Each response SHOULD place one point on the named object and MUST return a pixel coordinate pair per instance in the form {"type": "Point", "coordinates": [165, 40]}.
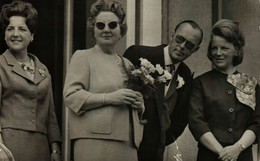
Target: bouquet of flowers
{"type": "Point", "coordinates": [143, 79]}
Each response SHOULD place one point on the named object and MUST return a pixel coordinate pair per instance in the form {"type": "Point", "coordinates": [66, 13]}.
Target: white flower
{"type": "Point", "coordinates": [159, 69]}
{"type": "Point", "coordinates": [148, 66]}
{"type": "Point", "coordinates": [165, 77]}
{"type": "Point", "coordinates": [149, 79]}
{"type": "Point", "coordinates": [151, 69]}
{"type": "Point", "coordinates": [180, 81]}
{"type": "Point", "coordinates": [136, 71]}
{"type": "Point", "coordinates": [145, 62]}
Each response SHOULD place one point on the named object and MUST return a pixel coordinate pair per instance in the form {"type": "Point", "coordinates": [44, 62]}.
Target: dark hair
{"type": "Point", "coordinates": [19, 8]}
{"type": "Point", "coordinates": [229, 30]}
{"type": "Point", "coordinates": [194, 25]}
{"type": "Point", "coordinates": [107, 5]}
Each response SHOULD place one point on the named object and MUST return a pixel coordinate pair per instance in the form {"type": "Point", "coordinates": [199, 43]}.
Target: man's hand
{"type": "Point", "coordinates": [138, 104]}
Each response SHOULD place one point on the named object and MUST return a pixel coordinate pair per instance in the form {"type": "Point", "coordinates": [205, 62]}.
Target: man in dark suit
{"type": "Point", "coordinates": [167, 111]}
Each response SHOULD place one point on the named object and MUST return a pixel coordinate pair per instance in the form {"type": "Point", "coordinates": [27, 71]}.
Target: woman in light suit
{"type": "Point", "coordinates": [103, 114]}
{"type": "Point", "coordinates": [28, 125]}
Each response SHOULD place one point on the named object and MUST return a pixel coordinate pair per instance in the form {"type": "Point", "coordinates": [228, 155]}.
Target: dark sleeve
{"type": "Point", "coordinates": [254, 122]}
{"type": "Point", "coordinates": [179, 117]}
{"type": "Point", "coordinates": [132, 54]}
{"type": "Point", "coordinates": [197, 123]}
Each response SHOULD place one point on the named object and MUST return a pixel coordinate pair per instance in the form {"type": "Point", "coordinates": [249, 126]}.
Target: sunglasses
{"type": "Point", "coordinates": [112, 25]}
{"type": "Point", "coordinates": [188, 45]}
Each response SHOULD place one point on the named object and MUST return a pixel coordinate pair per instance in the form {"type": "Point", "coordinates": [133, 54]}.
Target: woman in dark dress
{"type": "Point", "coordinates": [28, 124]}
{"type": "Point", "coordinates": [224, 104]}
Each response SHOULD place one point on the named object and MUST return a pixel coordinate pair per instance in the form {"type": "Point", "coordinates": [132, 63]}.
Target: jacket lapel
{"type": "Point", "coordinates": [172, 88]}
{"type": "Point", "coordinates": [40, 70]}
{"type": "Point", "coordinates": [16, 67]}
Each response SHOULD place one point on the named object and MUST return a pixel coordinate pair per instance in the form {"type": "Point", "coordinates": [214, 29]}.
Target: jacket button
{"type": "Point", "coordinates": [229, 92]}
{"type": "Point", "coordinates": [33, 121]}
{"type": "Point", "coordinates": [230, 130]}
{"type": "Point", "coordinates": [231, 110]}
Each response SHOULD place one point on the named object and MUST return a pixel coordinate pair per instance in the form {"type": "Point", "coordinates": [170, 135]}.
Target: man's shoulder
{"type": "Point", "coordinates": [184, 68]}
{"type": "Point", "coordinates": [152, 53]}
{"type": "Point", "coordinates": [143, 47]}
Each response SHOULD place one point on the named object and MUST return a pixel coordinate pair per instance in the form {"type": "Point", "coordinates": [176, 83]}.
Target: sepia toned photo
{"type": "Point", "coordinates": [129, 80]}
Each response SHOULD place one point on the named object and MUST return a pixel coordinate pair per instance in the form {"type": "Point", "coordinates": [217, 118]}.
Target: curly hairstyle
{"type": "Point", "coordinates": [229, 30]}
{"type": "Point", "coordinates": [19, 8]}
{"type": "Point", "coordinates": [107, 5]}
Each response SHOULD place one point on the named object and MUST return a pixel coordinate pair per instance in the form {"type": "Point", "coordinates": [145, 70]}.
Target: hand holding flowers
{"type": "Point", "coordinates": [125, 96]}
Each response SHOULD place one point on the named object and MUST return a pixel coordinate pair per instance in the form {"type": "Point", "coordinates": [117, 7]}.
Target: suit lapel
{"type": "Point", "coordinates": [172, 88]}
{"type": "Point", "coordinates": [40, 70]}
{"type": "Point", "coordinates": [16, 67]}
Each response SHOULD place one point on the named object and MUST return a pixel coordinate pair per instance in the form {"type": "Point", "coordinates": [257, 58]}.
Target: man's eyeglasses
{"type": "Point", "coordinates": [112, 25]}
{"type": "Point", "coordinates": [188, 45]}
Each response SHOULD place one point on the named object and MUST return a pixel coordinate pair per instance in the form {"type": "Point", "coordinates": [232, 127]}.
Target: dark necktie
{"type": "Point", "coordinates": [170, 68]}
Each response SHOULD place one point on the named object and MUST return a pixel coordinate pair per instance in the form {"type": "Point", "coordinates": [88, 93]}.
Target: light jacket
{"type": "Point", "coordinates": [26, 104]}
{"type": "Point", "coordinates": [90, 73]}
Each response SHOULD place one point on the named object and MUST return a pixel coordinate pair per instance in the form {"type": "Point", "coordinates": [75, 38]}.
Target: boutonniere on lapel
{"type": "Point", "coordinates": [143, 78]}
{"type": "Point", "coordinates": [180, 82]}
{"type": "Point", "coordinates": [42, 72]}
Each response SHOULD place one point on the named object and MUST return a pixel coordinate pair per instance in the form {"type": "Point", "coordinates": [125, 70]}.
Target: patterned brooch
{"type": "Point", "coordinates": [42, 72]}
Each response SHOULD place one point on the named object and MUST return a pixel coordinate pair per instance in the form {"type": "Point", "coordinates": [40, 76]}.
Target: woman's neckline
{"type": "Point", "coordinates": [233, 72]}
{"type": "Point", "coordinates": [111, 54]}
{"type": "Point", "coordinates": [107, 51]}
{"type": "Point", "coordinates": [20, 57]}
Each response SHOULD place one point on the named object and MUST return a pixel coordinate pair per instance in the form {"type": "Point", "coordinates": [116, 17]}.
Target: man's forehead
{"type": "Point", "coordinates": [190, 33]}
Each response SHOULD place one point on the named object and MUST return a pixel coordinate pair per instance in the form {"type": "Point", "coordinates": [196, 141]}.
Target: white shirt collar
{"type": "Point", "coordinates": [167, 58]}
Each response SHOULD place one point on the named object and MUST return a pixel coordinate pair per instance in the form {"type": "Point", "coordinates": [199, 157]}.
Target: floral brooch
{"type": "Point", "coordinates": [42, 72]}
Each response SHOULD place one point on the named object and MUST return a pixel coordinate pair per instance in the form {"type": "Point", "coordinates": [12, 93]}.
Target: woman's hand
{"type": "Point", "coordinates": [3, 155]}
{"type": "Point", "coordinates": [138, 104]}
{"type": "Point", "coordinates": [122, 96]}
{"type": "Point", "coordinates": [55, 157]}
{"type": "Point", "coordinates": [230, 153]}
